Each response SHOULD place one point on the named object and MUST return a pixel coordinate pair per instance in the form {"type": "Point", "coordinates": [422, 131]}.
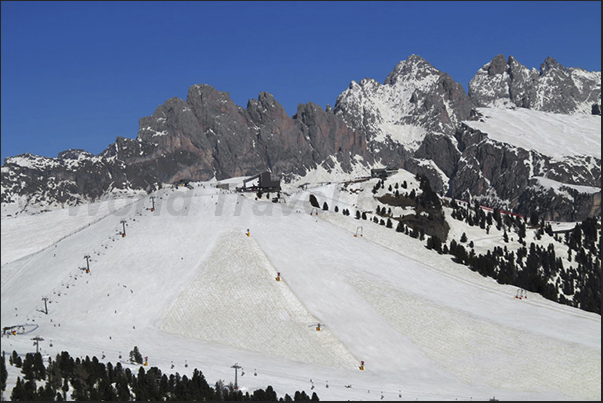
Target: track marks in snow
{"type": "Point", "coordinates": [255, 312]}
{"type": "Point", "coordinates": [483, 352]}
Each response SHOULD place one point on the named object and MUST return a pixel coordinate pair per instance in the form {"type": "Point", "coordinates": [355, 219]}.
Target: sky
{"type": "Point", "coordinates": [79, 74]}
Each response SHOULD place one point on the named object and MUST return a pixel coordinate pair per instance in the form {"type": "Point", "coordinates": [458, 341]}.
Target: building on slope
{"type": "Point", "coordinates": [265, 181]}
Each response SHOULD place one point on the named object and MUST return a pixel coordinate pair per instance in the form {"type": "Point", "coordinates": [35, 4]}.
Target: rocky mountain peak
{"type": "Point", "coordinates": [265, 107]}
{"type": "Point", "coordinates": [413, 68]}
{"type": "Point", "coordinates": [498, 65]}
{"type": "Point", "coordinates": [554, 89]}
{"type": "Point", "coordinates": [74, 154]}
{"type": "Point", "coordinates": [417, 119]}
{"type": "Point", "coordinates": [414, 99]}
{"type": "Point", "coordinates": [550, 64]}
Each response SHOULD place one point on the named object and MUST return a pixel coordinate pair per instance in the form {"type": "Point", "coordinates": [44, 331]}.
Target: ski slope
{"type": "Point", "coordinates": [41, 229]}
{"type": "Point", "coordinates": [187, 285]}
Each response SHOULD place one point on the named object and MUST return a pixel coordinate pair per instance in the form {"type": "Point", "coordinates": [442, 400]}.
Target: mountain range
{"type": "Point", "coordinates": [468, 144]}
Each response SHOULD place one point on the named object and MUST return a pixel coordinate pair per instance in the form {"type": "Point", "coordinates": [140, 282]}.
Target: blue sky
{"type": "Point", "coordinates": [79, 74]}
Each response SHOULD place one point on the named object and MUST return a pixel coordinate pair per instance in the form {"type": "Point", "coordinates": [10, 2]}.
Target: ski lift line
{"type": "Point", "coordinates": [261, 371]}
{"type": "Point", "coordinates": [315, 380]}
{"type": "Point", "coordinates": [199, 364]}
{"type": "Point", "coordinates": [469, 282]}
{"type": "Point", "coordinates": [422, 263]}
{"type": "Point", "coordinates": [486, 208]}
{"type": "Point", "coordinates": [39, 253]}
{"type": "Point", "coordinates": [70, 234]}
{"type": "Point", "coordinates": [552, 306]}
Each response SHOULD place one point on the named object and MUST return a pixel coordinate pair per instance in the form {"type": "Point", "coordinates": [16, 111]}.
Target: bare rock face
{"type": "Point", "coordinates": [329, 135]}
{"type": "Point", "coordinates": [509, 178]}
{"type": "Point", "coordinates": [228, 140]}
{"type": "Point", "coordinates": [207, 136]}
{"type": "Point", "coordinates": [554, 89]}
{"type": "Point", "coordinates": [414, 121]}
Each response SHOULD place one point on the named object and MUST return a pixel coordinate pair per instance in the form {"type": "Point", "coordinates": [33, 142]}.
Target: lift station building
{"type": "Point", "coordinates": [265, 181]}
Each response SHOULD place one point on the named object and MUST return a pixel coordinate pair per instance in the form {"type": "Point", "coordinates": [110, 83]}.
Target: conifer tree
{"type": "Point", "coordinates": [135, 355]}
{"type": "Point", "coordinates": [400, 227]}
{"type": "Point", "coordinates": [3, 374]}
{"type": "Point", "coordinates": [16, 360]}
{"type": "Point", "coordinates": [18, 392]}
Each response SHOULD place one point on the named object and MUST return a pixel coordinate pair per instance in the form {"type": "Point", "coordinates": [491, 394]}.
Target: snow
{"type": "Point", "coordinates": [155, 132]}
{"type": "Point", "coordinates": [30, 161]}
{"type": "Point", "coordinates": [239, 273]}
{"type": "Point", "coordinates": [389, 104]}
{"type": "Point", "coordinates": [558, 186]}
{"type": "Point", "coordinates": [322, 174]}
{"type": "Point", "coordinates": [44, 229]}
{"type": "Point", "coordinates": [408, 135]}
{"type": "Point", "coordinates": [551, 134]}
{"type": "Point", "coordinates": [186, 284]}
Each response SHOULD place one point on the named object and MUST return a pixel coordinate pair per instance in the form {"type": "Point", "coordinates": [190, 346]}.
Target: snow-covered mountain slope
{"type": "Point", "coordinates": [421, 120]}
{"type": "Point", "coordinates": [187, 285]}
{"type": "Point", "coordinates": [415, 99]}
{"type": "Point", "coordinates": [41, 230]}
{"type": "Point", "coordinates": [551, 134]}
{"type": "Point", "coordinates": [527, 160]}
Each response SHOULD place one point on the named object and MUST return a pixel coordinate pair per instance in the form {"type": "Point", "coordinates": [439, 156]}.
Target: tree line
{"type": "Point", "coordinates": [66, 378]}
{"type": "Point", "coordinates": [532, 267]}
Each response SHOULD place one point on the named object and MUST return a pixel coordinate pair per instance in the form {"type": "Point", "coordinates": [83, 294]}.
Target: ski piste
{"type": "Point", "coordinates": [193, 282]}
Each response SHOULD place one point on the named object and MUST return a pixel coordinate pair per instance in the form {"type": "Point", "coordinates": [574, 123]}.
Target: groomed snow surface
{"type": "Point", "coordinates": [188, 285]}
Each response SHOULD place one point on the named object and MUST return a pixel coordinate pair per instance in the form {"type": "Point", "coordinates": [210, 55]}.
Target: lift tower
{"type": "Point", "coordinates": [236, 367]}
